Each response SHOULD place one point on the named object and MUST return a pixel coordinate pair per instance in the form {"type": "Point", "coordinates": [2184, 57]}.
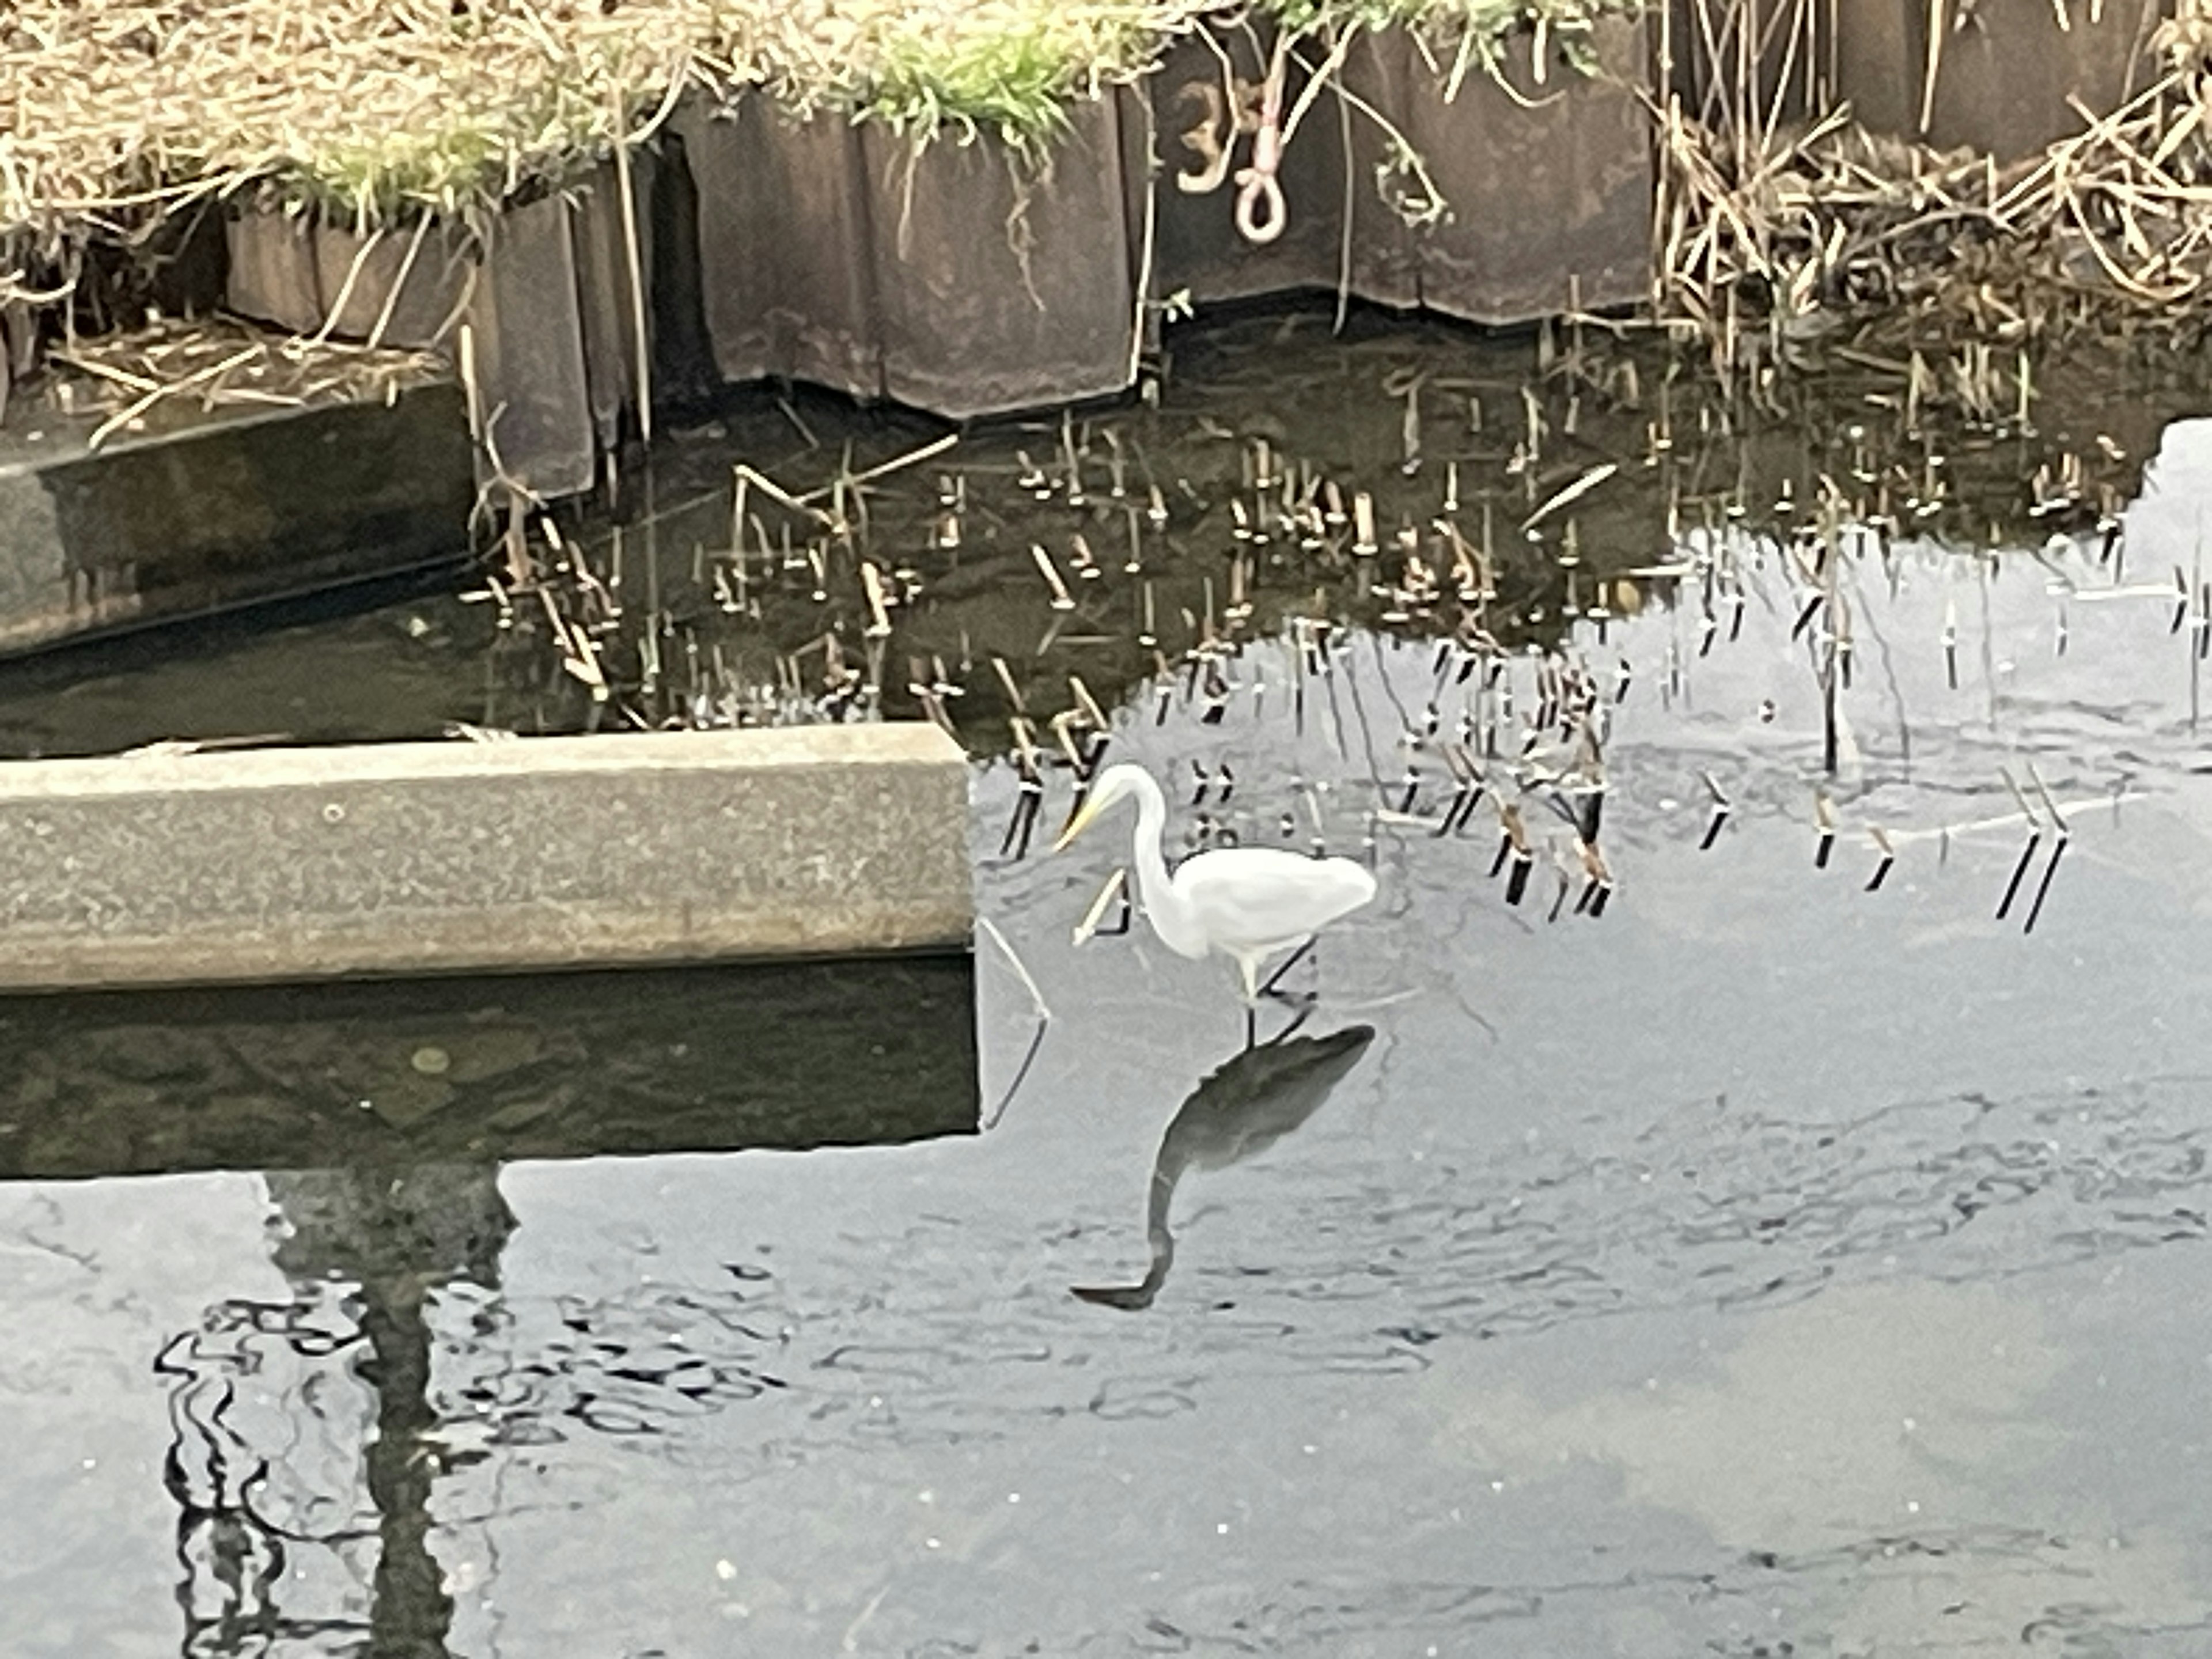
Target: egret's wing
{"type": "Point", "coordinates": [1246, 897]}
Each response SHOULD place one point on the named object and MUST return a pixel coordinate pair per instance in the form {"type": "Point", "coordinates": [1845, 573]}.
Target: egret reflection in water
{"type": "Point", "coordinates": [1240, 1109]}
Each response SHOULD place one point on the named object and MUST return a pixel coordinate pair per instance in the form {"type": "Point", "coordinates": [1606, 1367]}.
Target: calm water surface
{"type": "Point", "coordinates": [1766, 1266]}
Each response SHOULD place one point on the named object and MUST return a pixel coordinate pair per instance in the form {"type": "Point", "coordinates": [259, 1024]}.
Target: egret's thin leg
{"type": "Point", "coordinates": [1036, 1042]}
{"type": "Point", "coordinates": [1289, 963]}
{"type": "Point", "coordinates": [1247, 970]}
{"type": "Point", "coordinates": [1302, 1002]}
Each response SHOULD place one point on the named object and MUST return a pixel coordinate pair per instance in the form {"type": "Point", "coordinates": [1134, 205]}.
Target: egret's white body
{"type": "Point", "coordinates": [1247, 903]}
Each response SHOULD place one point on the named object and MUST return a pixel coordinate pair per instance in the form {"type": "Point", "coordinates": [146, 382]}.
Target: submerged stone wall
{"type": "Point", "coordinates": [231, 509]}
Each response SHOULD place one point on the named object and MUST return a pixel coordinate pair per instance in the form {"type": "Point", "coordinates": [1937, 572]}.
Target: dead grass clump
{"type": "Point", "coordinates": [115, 112]}
{"type": "Point", "coordinates": [116, 109]}
{"type": "Point", "coordinates": [146, 379]}
{"type": "Point", "coordinates": [1773, 241]}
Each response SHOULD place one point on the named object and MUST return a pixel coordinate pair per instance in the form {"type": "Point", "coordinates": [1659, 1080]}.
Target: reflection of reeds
{"type": "Point", "coordinates": [1721, 807]}
{"type": "Point", "coordinates": [1888, 851]}
{"type": "Point", "coordinates": [1505, 659]}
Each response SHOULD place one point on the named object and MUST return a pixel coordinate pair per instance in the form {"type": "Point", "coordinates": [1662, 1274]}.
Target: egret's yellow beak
{"type": "Point", "coordinates": [1078, 824]}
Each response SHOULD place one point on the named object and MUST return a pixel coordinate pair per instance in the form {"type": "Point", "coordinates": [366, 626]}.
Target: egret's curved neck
{"type": "Point", "coordinates": [1152, 886]}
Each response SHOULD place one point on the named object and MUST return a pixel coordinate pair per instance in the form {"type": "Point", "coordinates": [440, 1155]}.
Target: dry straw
{"type": "Point", "coordinates": [377, 105]}
{"type": "Point", "coordinates": [139, 379]}
{"type": "Point", "coordinates": [112, 115]}
{"type": "Point", "coordinates": [1783, 228]}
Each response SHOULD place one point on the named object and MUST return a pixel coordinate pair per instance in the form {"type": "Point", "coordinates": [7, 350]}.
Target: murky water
{"type": "Point", "coordinates": [1774, 1263]}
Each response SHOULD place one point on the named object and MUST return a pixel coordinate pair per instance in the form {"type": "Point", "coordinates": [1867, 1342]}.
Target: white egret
{"type": "Point", "coordinates": [1247, 903]}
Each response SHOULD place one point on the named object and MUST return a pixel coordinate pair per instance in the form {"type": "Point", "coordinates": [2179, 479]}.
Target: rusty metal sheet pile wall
{"type": "Point", "coordinates": [544, 290]}
{"type": "Point", "coordinates": [1195, 247]}
{"type": "Point", "coordinates": [786, 276]}
{"type": "Point", "coordinates": [2009, 76]}
{"type": "Point", "coordinates": [2006, 80]}
{"type": "Point", "coordinates": [964, 280]}
{"type": "Point", "coordinates": [528, 327]}
{"type": "Point", "coordinates": [997, 289]}
{"type": "Point", "coordinates": [1548, 186]}
{"type": "Point", "coordinates": [961, 280]}
{"type": "Point", "coordinates": [1541, 192]}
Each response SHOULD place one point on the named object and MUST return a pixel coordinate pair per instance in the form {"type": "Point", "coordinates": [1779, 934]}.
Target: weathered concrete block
{"type": "Point", "coordinates": [429, 858]}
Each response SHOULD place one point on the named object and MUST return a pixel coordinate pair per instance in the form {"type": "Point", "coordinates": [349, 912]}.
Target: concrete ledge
{"type": "Point", "coordinates": [403, 858]}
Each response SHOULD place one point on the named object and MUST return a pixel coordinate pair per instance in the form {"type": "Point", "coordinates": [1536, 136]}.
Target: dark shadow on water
{"type": "Point", "coordinates": [391, 658]}
{"type": "Point", "coordinates": [1240, 1110]}
{"type": "Point", "coordinates": [486, 1071]}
